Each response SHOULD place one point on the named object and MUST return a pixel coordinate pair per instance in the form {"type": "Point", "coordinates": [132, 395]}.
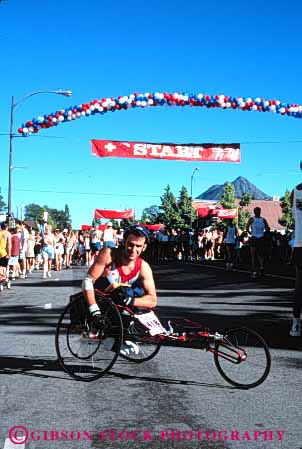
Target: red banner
{"type": "Point", "coordinates": [152, 227]}
{"type": "Point", "coordinates": [85, 227]}
{"type": "Point", "coordinates": [204, 212]}
{"type": "Point", "coordinates": [208, 152]}
{"type": "Point", "coordinates": [111, 214]}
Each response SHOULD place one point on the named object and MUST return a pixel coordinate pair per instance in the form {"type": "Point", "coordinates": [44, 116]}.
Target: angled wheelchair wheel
{"type": "Point", "coordinates": [242, 358]}
{"type": "Point", "coordinates": [87, 353]}
{"type": "Point", "coordinates": [145, 346]}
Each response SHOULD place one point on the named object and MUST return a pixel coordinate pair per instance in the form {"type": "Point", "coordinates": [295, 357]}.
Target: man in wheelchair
{"type": "Point", "coordinates": [119, 271]}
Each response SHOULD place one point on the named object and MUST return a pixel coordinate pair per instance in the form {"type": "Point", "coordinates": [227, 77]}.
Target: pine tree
{"type": "Point", "coordinates": [185, 207]}
{"type": "Point", "coordinates": [171, 215]}
{"type": "Point", "coordinates": [228, 197]}
{"type": "Point", "coordinates": [287, 219]}
{"type": "Point", "coordinates": [243, 214]}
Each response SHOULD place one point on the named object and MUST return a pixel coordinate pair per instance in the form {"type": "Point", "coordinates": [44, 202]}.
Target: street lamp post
{"type": "Point", "coordinates": [191, 208]}
{"type": "Point", "coordinates": [66, 93]}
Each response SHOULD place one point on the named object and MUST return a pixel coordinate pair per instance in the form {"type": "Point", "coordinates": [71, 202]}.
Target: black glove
{"type": "Point", "coordinates": [124, 296]}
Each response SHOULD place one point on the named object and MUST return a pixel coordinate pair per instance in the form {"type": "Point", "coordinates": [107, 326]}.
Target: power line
{"type": "Point", "coordinates": [85, 193]}
{"type": "Point", "coordinates": [244, 142]}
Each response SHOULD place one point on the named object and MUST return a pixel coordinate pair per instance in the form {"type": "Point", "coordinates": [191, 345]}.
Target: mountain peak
{"type": "Point", "coordinates": [241, 185]}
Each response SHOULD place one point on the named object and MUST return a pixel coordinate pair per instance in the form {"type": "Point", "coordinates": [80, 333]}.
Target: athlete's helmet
{"type": "Point", "coordinates": [137, 230]}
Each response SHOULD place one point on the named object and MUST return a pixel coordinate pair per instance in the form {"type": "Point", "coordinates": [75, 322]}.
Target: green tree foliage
{"type": "Point", "coordinates": [170, 211]}
{"type": "Point", "coordinates": [228, 197]}
{"type": "Point", "coordinates": [3, 206]}
{"type": "Point", "coordinates": [243, 214]}
{"type": "Point", "coordinates": [56, 218]}
{"type": "Point", "coordinates": [150, 214]}
{"type": "Point", "coordinates": [185, 207]}
{"type": "Point", "coordinates": [287, 219]}
{"type": "Point", "coordinates": [246, 199]}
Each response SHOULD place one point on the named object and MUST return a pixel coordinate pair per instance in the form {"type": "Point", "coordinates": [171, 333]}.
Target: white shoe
{"type": "Point", "coordinates": [44, 276]}
{"type": "Point", "coordinates": [296, 329]}
{"type": "Point", "coordinates": [129, 348]}
{"type": "Point", "coordinates": [49, 274]}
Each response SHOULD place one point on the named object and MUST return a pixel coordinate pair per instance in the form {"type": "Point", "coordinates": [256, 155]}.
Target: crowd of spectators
{"type": "Point", "coordinates": [208, 244]}
{"type": "Point", "coordinates": [25, 249]}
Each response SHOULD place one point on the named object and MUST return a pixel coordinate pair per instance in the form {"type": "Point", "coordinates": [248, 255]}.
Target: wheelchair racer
{"type": "Point", "coordinates": [115, 266]}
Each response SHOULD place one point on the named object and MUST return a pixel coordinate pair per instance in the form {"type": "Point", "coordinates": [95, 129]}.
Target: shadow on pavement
{"type": "Point", "coordinates": [27, 366]}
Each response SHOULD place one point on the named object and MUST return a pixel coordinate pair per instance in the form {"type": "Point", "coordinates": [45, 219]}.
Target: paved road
{"type": "Point", "coordinates": [179, 390]}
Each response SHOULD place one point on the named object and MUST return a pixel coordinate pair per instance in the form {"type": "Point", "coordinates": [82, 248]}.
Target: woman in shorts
{"type": "Point", "coordinates": [48, 251]}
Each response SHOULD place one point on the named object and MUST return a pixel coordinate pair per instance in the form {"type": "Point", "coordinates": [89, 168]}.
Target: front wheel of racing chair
{"type": "Point", "coordinates": [86, 351]}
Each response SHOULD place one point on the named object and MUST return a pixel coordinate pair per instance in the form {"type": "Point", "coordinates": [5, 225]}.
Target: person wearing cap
{"type": "Point", "coordinates": [296, 204]}
{"type": "Point", "coordinates": [124, 265]}
{"type": "Point", "coordinates": [109, 236]}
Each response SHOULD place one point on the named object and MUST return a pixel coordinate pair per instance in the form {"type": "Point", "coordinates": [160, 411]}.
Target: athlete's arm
{"type": "Point", "coordinates": [149, 299]}
{"type": "Point", "coordinates": [103, 259]}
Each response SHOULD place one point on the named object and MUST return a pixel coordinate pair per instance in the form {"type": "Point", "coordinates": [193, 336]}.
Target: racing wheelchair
{"type": "Point", "coordinates": [241, 355]}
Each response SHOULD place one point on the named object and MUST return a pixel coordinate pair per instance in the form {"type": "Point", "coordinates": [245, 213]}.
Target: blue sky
{"type": "Point", "coordinates": [105, 49]}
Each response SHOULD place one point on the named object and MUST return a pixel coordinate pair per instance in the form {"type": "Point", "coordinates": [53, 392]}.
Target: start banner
{"type": "Point", "coordinates": [206, 152]}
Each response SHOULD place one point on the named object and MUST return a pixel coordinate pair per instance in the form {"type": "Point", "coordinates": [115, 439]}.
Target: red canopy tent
{"type": "Point", "coordinates": [152, 227]}
{"type": "Point", "coordinates": [207, 212]}
{"type": "Point", "coordinates": [114, 214]}
{"type": "Point", "coordinates": [85, 227]}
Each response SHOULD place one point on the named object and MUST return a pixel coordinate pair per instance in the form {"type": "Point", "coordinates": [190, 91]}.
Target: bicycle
{"type": "Point", "coordinates": [241, 355]}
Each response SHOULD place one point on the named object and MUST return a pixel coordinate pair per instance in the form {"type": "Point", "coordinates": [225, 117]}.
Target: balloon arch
{"type": "Point", "coordinates": [147, 99]}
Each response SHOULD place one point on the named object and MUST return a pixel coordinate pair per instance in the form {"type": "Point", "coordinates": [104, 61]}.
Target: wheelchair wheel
{"type": "Point", "coordinates": [148, 346]}
{"type": "Point", "coordinates": [87, 353]}
{"type": "Point", "coordinates": [242, 358]}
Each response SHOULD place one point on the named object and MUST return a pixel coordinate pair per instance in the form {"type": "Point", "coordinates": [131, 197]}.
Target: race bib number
{"type": "Point", "coordinates": [151, 322]}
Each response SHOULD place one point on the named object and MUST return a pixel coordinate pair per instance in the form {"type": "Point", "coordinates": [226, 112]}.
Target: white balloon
{"type": "Point", "coordinates": [266, 103]}
{"type": "Point", "coordinates": [282, 110]}
{"type": "Point", "coordinates": [150, 102]}
{"type": "Point", "coordinates": [228, 105]}
{"type": "Point", "coordinates": [254, 107]}
{"type": "Point", "coordinates": [61, 118]}
{"type": "Point", "coordinates": [40, 119]}
{"type": "Point", "coordinates": [25, 130]}
{"type": "Point", "coordinates": [143, 104]}
{"type": "Point", "coordinates": [54, 119]}
{"type": "Point", "coordinates": [200, 96]}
